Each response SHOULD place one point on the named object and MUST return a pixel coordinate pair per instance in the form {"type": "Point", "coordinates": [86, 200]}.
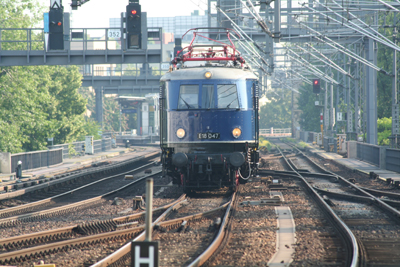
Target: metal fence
{"type": "Point", "coordinates": [393, 159]}
{"type": "Point", "coordinates": [276, 131]}
{"type": "Point", "coordinates": [369, 153]}
{"type": "Point", "coordinates": [37, 159]}
{"type": "Point", "coordinates": [106, 144]}
{"type": "Point", "coordinates": [76, 148]}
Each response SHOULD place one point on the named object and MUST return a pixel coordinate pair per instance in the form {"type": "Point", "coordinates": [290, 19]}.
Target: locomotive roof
{"type": "Point", "coordinates": [217, 73]}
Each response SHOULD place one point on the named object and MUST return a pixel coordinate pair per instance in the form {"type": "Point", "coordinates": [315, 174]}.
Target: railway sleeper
{"type": "Point", "coordinates": [96, 227]}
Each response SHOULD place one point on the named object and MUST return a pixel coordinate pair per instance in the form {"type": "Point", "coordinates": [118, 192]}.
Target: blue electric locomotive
{"type": "Point", "coordinates": [209, 119]}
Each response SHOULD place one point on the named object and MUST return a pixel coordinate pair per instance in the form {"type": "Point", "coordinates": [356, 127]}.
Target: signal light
{"type": "Point", "coordinates": [316, 86]}
{"type": "Point", "coordinates": [56, 29]}
{"type": "Point", "coordinates": [134, 26]}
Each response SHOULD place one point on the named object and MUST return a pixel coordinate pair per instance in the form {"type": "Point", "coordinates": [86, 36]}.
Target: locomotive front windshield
{"type": "Point", "coordinates": [206, 97]}
{"type": "Point", "coordinates": [227, 96]}
{"type": "Point", "coordinates": [188, 97]}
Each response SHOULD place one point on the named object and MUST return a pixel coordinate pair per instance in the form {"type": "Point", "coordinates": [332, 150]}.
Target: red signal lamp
{"type": "Point", "coordinates": [59, 23]}
{"type": "Point", "coordinates": [316, 82]}
{"type": "Point", "coordinates": [133, 12]}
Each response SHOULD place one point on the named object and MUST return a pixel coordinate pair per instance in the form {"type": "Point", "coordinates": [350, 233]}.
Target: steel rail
{"type": "Point", "coordinates": [126, 249]}
{"type": "Point", "coordinates": [345, 231]}
{"type": "Point", "coordinates": [16, 256]}
{"type": "Point", "coordinates": [376, 201]}
{"type": "Point", "coordinates": [85, 172]}
{"type": "Point", "coordinates": [66, 208]}
{"type": "Point", "coordinates": [71, 229]}
{"type": "Point", "coordinates": [218, 239]}
{"type": "Point", "coordinates": [191, 217]}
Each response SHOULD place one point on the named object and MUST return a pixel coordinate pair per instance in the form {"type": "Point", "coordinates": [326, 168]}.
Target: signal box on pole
{"type": "Point", "coordinates": [56, 29]}
{"type": "Point", "coordinates": [134, 25]}
{"type": "Point", "coordinates": [316, 86]}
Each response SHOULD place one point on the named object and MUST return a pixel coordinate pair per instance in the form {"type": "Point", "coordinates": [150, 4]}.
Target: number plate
{"type": "Point", "coordinates": [114, 33]}
{"type": "Point", "coordinates": [208, 135]}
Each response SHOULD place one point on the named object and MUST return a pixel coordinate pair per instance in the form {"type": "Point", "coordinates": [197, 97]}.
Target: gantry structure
{"type": "Point", "coordinates": [293, 42]}
{"type": "Point", "coordinates": [288, 42]}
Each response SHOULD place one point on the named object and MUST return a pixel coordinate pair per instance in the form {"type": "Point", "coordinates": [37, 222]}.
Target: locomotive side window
{"type": "Point", "coordinates": [227, 96]}
{"type": "Point", "coordinates": [188, 97]}
{"type": "Point", "coordinates": [207, 96]}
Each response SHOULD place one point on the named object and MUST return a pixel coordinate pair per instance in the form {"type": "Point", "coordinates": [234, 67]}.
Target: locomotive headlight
{"type": "Point", "coordinates": [236, 132]}
{"type": "Point", "coordinates": [180, 133]}
{"type": "Point", "coordinates": [208, 75]}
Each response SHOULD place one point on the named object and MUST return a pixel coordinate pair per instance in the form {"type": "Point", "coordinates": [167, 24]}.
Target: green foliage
{"type": "Point", "coordinates": [385, 61]}
{"type": "Point", "coordinates": [265, 144]}
{"type": "Point", "coordinates": [91, 128]}
{"type": "Point", "coordinates": [384, 131]}
{"type": "Point", "coordinates": [277, 112]}
{"type": "Point", "coordinates": [20, 14]}
{"type": "Point", "coordinates": [310, 116]}
{"type": "Point", "coordinates": [37, 103]}
{"type": "Point", "coordinates": [290, 140]}
{"type": "Point", "coordinates": [110, 112]}
{"type": "Point", "coordinates": [302, 145]}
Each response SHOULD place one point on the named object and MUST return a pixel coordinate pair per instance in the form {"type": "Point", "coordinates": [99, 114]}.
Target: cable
{"type": "Point", "coordinates": [242, 176]}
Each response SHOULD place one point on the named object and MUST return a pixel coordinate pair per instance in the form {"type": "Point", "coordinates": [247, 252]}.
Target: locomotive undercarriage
{"type": "Point", "coordinates": [195, 171]}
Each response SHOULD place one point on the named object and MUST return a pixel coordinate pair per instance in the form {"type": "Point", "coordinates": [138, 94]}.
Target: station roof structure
{"type": "Point", "coordinates": [128, 101]}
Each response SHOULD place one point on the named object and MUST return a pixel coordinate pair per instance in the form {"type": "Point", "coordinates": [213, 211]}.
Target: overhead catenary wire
{"type": "Point", "coordinates": [316, 71]}
{"type": "Point", "coordinates": [342, 49]}
{"type": "Point", "coordinates": [382, 40]}
{"type": "Point", "coordinates": [328, 61]}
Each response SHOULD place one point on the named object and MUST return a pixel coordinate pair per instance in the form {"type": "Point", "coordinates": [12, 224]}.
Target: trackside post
{"type": "Point", "coordinates": [146, 253]}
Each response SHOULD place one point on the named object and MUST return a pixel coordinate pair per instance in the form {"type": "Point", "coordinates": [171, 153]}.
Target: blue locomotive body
{"type": "Point", "coordinates": [209, 126]}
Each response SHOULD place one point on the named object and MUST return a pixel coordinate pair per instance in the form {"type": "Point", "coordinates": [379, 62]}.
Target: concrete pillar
{"type": "Point", "coordinates": [5, 162]}
{"type": "Point", "coordinates": [139, 120]}
{"type": "Point", "coordinates": [145, 118]}
{"type": "Point", "coordinates": [99, 105]}
{"type": "Point", "coordinates": [351, 149]}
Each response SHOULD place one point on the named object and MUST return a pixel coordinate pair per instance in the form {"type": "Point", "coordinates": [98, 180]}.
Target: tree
{"type": "Point", "coordinates": [385, 61]}
{"type": "Point", "coordinates": [69, 104]}
{"type": "Point", "coordinates": [310, 116]}
{"type": "Point", "coordinates": [277, 111]}
{"type": "Point", "coordinates": [384, 131]}
{"type": "Point", "coordinates": [20, 14]}
{"type": "Point", "coordinates": [37, 103]}
{"type": "Point", "coordinates": [110, 111]}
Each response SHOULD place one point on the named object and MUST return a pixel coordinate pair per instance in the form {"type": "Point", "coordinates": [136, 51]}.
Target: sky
{"type": "Point", "coordinates": [96, 13]}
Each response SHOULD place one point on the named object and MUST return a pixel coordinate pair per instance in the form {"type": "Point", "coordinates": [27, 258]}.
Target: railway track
{"type": "Point", "coordinates": [72, 200]}
{"type": "Point", "coordinates": [38, 245]}
{"type": "Point", "coordinates": [41, 188]}
{"type": "Point", "coordinates": [372, 220]}
{"type": "Point", "coordinates": [185, 241]}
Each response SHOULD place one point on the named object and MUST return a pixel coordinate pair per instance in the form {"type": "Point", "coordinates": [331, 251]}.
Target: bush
{"type": "Point", "coordinates": [302, 145]}
{"type": "Point", "coordinates": [290, 140]}
{"type": "Point", "coordinates": [265, 145]}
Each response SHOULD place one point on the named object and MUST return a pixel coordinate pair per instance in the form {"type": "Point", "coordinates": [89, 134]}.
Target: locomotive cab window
{"type": "Point", "coordinates": [188, 97]}
{"type": "Point", "coordinates": [207, 96]}
{"type": "Point", "coordinates": [227, 96]}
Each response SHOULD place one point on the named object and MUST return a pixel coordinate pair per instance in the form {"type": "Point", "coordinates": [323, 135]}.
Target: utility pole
{"type": "Point", "coordinates": [395, 103]}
